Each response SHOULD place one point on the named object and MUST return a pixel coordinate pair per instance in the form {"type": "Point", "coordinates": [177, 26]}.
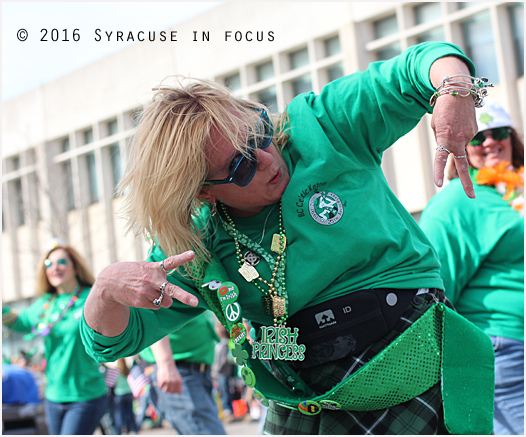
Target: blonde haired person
{"type": "Point", "coordinates": [75, 395]}
{"type": "Point", "coordinates": [297, 229]}
{"type": "Point", "coordinates": [483, 267]}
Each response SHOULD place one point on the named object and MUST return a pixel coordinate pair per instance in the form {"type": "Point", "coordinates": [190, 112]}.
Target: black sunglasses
{"type": "Point", "coordinates": [498, 134]}
{"type": "Point", "coordinates": [243, 168]}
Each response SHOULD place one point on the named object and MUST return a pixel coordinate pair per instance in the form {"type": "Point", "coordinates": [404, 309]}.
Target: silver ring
{"type": "Point", "coordinates": [458, 157]}
{"type": "Point", "coordinates": [161, 265]}
{"type": "Point", "coordinates": [157, 302]}
{"type": "Point", "coordinates": [442, 149]}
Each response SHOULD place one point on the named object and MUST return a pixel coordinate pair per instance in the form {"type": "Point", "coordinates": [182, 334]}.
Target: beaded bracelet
{"type": "Point", "coordinates": [477, 89]}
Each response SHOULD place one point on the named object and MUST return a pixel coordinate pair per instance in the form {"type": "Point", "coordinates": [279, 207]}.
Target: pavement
{"type": "Point", "coordinates": [242, 427]}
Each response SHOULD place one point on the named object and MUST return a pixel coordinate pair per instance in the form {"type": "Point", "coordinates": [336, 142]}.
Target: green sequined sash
{"type": "Point", "coordinates": [440, 346]}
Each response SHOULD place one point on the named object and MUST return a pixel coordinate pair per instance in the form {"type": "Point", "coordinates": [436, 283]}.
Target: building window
{"type": "Point", "coordinates": [427, 12]}
{"type": "Point", "coordinates": [65, 146]}
{"type": "Point", "coordinates": [35, 198]}
{"type": "Point", "coordinates": [88, 136]}
{"type": "Point", "coordinates": [433, 35]}
{"type": "Point", "coordinates": [92, 174]}
{"type": "Point", "coordinates": [480, 46]}
{"type": "Point", "coordinates": [302, 85]}
{"type": "Point", "coordinates": [112, 127]}
{"type": "Point", "coordinates": [233, 81]}
{"type": "Point", "coordinates": [19, 199]}
{"type": "Point", "coordinates": [31, 157]}
{"type": "Point", "coordinates": [465, 5]}
{"type": "Point", "coordinates": [269, 99]}
{"type": "Point", "coordinates": [516, 12]}
{"type": "Point", "coordinates": [15, 163]}
{"type": "Point", "coordinates": [388, 52]}
{"type": "Point", "coordinates": [67, 181]}
{"type": "Point", "coordinates": [332, 46]}
{"type": "Point", "coordinates": [334, 72]}
{"type": "Point", "coordinates": [299, 58]}
{"type": "Point", "coordinates": [264, 71]}
{"type": "Point", "coordinates": [385, 27]}
{"type": "Point", "coordinates": [116, 165]}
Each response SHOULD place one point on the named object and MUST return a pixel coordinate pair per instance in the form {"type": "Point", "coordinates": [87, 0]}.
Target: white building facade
{"type": "Point", "coordinates": [64, 143]}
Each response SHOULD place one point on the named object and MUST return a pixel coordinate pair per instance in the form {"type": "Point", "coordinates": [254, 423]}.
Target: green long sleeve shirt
{"type": "Point", "coordinates": [345, 228]}
{"type": "Point", "coordinates": [71, 374]}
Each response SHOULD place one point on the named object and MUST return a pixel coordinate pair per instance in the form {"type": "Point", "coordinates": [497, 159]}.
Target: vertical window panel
{"type": "Point", "coordinates": [233, 81]}
{"type": "Point", "coordinates": [335, 72]}
{"type": "Point", "coordinates": [299, 58]}
{"type": "Point", "coordinates": [269, 99]}
{"type": "Point", "coordinates": [385, 27]}
{"type": "Point", "coordinates": [516, 13]}
{"type": "Point", "coordinates": [480, 45]}
{"type": "Point", "coordinates": [332, 46]}
{"type": "Point", "coordinates": [264, 71]}
{"type": "Point", "coordinates": [302, 85]}
{"type": "Point", "coordinates": [92, 174]}
{"type": "Point", "coordinates": [388, 52]}
{"type": "Point", "coordinates": [427, 12]}
{"type": "Point", "coordinates": [116, 165]}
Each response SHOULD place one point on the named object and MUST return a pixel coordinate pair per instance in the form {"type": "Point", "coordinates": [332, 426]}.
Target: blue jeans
{"type": "Point", "coordinates": [194, 411]}
{"type": "Point", "coordinates": [124, 414]}
{"type": "Point", "coordinates": [509, 386]}
{"type": "Point", "coordinates": [75, 418]}
{"type": "Point", "coordinates": [224, 392]}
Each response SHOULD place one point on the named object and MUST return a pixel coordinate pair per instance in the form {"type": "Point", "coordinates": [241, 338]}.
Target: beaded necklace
{"type": "Point", "coordinates": [274, 300]}
{"type": "Point", "coordinates": [43, 327]}
{"type": "Point", "coordinates": [277, 343]}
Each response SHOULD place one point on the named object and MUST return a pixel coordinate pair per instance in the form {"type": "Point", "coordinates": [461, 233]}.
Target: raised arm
{"type": "Point", "coordinates": [132, 284]}
{"type": "Point", "coordinates": [453, 122]}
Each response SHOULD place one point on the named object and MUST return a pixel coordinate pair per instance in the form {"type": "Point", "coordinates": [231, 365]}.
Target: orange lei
{"type": "Point", "coordinates": [507, 182]}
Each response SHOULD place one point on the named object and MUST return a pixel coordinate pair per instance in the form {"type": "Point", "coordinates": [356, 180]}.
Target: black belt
{"type": "Point", "coordinates": [348, 324]}
{"type": "Point", "coordinates": [200, 367]}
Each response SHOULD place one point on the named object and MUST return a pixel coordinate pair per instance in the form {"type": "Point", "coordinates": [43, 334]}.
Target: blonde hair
{"type": "Point", "coordinates": [83, 274]}
{"type": "Point", "coordinates": [168, 161]}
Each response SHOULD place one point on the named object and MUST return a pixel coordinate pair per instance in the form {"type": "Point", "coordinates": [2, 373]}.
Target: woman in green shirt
{"type": "Point", "coordinates": [75, 389]}
{"type": "Point", "coordinates": [483, 267]}
{"type": "Point", "coordinates": [325, 263]}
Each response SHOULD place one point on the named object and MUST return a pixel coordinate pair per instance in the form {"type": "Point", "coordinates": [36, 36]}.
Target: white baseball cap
{"type": "Point", "coordinates": [492, 115]}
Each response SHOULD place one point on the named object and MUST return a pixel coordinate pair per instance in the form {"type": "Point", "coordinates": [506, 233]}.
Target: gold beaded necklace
{"type": "Point", "coordinates": [274, 299]}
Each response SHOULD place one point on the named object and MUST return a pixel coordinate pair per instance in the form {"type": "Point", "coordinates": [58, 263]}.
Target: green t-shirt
{"type": "Point", "coordinates": [71, 374]}
{"type": "Point", "coordinates": [480, 244]}
{"type": "Point", "coordinates": [194, 342]}
{"type": "Point", "coordinates": [345, 228]}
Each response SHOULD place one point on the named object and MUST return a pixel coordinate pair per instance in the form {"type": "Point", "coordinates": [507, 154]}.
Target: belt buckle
{"type": "Point", "coordinates": [202, 367]}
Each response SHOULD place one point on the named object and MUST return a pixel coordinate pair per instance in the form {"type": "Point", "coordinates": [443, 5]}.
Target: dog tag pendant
{"type": "Point", "coordinates": [278, 306]}
{"type": "Point", "coordinates": [248, 272]}
{"type": "Point", "coordinates": [274, 306]}
{"type": "Point", "coordinates": [268, 304]}
{"type": "Point", "coordinates": [276, 243]}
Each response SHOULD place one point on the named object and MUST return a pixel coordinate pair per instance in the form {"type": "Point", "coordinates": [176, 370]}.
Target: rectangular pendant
{"type": "Point", "coordinates": [278, 306]}
{"type": "Point", "coordinates": [268, 305]}
{"type": "Point", "coordinates": [248, 272]}
{"type": "Point", "coordinates": [276, 246]}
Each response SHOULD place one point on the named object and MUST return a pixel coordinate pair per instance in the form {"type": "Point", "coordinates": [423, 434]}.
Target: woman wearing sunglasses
{"type": "Point", "coordinates": [483, 267]}
{"type": "Point", "coordinates": [75, 395]}
{"type": "Point", "coordinates": [292, 226]}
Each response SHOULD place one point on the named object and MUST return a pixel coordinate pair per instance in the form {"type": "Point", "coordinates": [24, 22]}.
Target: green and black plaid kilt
{"type": "Point", "coordinates": [422, 415]}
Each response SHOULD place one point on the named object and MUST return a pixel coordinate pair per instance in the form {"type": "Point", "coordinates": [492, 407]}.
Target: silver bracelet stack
{"type": "Point", "coordinates": [477, 87]}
